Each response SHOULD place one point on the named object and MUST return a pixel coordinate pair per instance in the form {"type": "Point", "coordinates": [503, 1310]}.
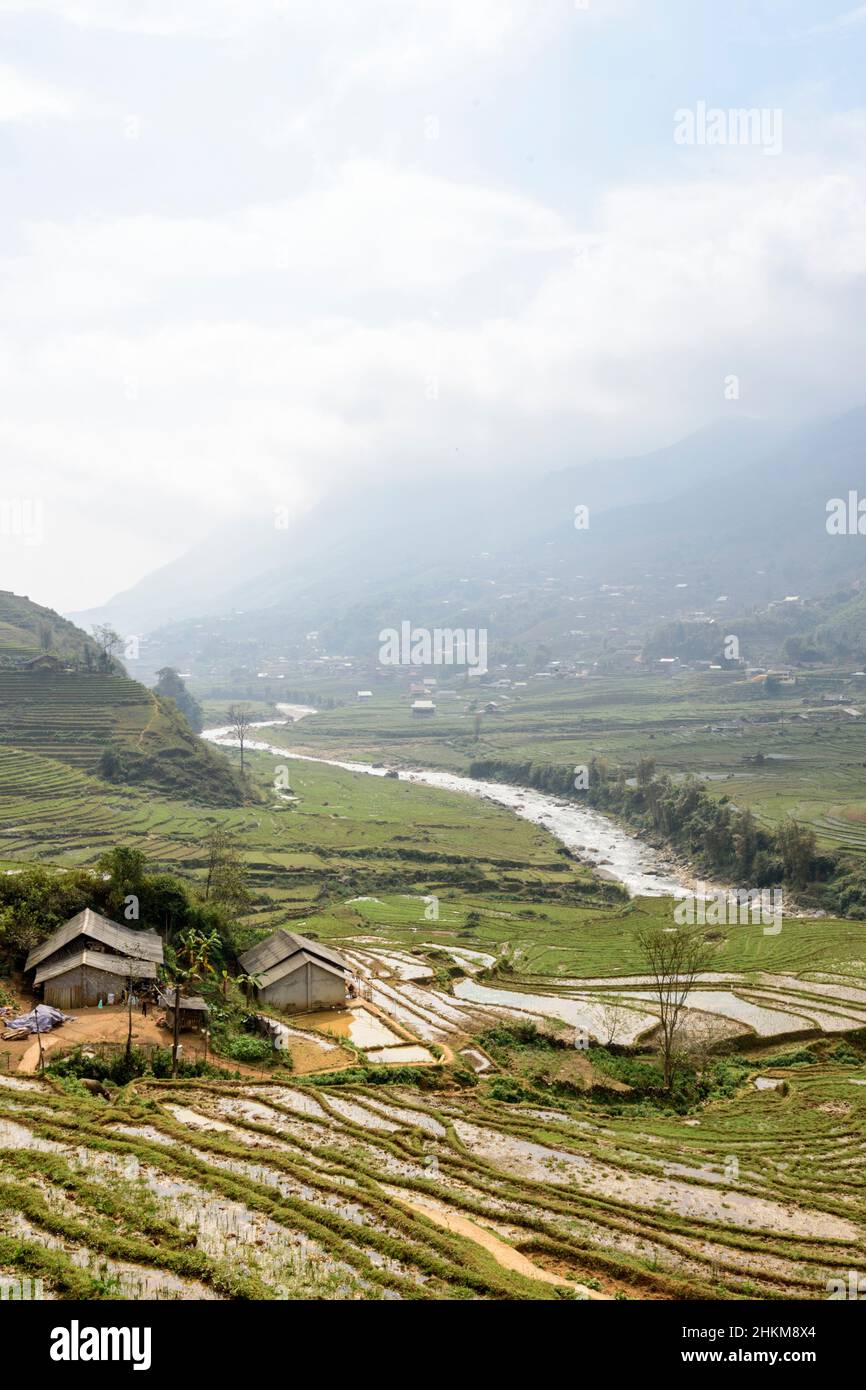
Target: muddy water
{"type": "Point", "coordinates": [613, 850]}
{"type": "Point", "coordinates": [13, 1136]}
{"type": "Point", "coordinates": [586, 1014]}
{"type": "Point", "coordinates": [358, 1024]}
{"type": "Point", "coordinates": [723, 1205]}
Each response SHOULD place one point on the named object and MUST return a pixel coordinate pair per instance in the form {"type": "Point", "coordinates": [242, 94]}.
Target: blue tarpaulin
{"type": "Point", "coordinates": [40, 1020]}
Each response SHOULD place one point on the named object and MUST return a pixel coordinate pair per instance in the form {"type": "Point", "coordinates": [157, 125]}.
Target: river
{"type": "Point", "coordinates": [596, 839]}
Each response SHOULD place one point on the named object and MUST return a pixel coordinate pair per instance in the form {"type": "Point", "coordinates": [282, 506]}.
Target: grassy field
{"type": "Point", "coordinates": [550, 940]}
{"type": "Point", "coordinates": [79, 718]}
{"type": "Point", "coordinates": [813, 768]}
{"type": "Point", "coordinates": [339, 832]}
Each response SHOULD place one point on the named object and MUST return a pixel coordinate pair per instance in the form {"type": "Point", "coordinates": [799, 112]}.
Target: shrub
{"type": "Point", "coordinates": [247, 1048]}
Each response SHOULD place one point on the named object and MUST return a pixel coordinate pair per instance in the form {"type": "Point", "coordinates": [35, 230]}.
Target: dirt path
{"type": "Point", "coordinates": [504, 1254]}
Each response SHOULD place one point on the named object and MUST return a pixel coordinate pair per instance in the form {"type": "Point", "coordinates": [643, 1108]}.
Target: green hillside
{"type": "Point", "coordinates": [111, 726]}
{"type": "Point", "coordinates": [26, 629]}
{"type": "Point", "coordinates": [80, 709]}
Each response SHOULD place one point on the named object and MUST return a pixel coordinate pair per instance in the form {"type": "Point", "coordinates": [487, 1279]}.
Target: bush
{"type": "Point", "coordinates": [507, 1089]}
{"type": "Point", "coordinates": [247, 1048]}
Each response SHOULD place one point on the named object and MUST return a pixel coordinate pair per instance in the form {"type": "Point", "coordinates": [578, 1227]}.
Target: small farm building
{"type": "Point", "coordinates": [91, 958]}
{"type": "Point", "coordinates": [296, 974]}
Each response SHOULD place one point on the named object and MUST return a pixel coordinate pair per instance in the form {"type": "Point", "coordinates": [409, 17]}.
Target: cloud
{"type": "Point", "coordinates": [849, 20]}
{"type": "Point", "coordinates": [371, 229]}
{"type": "Point", "coordinates": [621, 337]}
{"type": "Point", "coordinates": [218, 323]}
{"type": "Point", "coordinates": [382, 38]}
{"type": "Point", "coordinates": [27, 98]}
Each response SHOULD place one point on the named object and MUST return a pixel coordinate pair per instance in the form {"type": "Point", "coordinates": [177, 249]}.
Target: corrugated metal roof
{"type": "Point", "coordinates": [125, 941]}
{"type": "Point", "coordinates": [97, 960]}
{"type": "Point", "coordinates": [192, 1001]}
{"type": "Point", "coordinates": [293, 963]}
{"type": "Point", "coordinates": [280, 946]}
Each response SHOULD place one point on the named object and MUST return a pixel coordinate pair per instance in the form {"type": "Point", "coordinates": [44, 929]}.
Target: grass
{"type": "Point", "coordinates": [342, 833]}
{"type": "Point", "coordinates": [812, 769]}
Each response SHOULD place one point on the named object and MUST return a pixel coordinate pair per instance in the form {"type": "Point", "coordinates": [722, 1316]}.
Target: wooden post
{"type": "Point", "coordinates": [39, 1036]}
{"type": "Point", "coordinates": [176, 1029]}
{"type": "Point", "coordinates": [129, 1014]}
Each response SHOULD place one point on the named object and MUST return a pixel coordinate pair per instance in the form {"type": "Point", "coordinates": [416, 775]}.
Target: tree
{"type": "Point", "coordinates": [614, 1013]}
{"type": "Point", "coordinates": [46, 637]}
{"type": "Point", "coordinates": [125, 868]}
{"type": "Point", "coordinates": [797, 848]}
{"type": "Point", "coordinates": [673, 958]}
{"type": "Point", "coordinates": [130, 977]}
{"type": "Point", "coordinates": [195, 951]}
{"type": "Point", "coordinates": [108, 642]}
{"type": "Point", "coordinates": [239, 719]}
{"type": "Point", "coordinates": [227, 881]}
{"type": "Point", "coordinates": [646, 771]}
{"type": "Point", "coordinates": [746, 842]}
{"type": "Point", "coordinates": [170, 686]}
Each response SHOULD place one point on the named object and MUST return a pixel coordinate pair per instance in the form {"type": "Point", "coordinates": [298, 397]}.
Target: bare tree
{"type": "Point", "coordinates": [614, 1018]}
{"type": "Point", "coordinates": [108, 640]}
{"type": "Point", "coordinates": [134, 961]}
{"type": "Point", "coordinates": [673, 958]}
{"type": "Point", "coordinates": [239, 718]}
{"type": "Point", "coordinates": [701, 1036]}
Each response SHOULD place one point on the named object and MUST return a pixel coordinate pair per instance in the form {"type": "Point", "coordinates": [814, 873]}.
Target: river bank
{"type": "Point", "coordinates": [613, 851]}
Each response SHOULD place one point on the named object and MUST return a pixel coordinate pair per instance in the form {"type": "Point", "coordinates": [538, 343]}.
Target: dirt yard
{"type": "Point", "coordinates": [108, 1024]}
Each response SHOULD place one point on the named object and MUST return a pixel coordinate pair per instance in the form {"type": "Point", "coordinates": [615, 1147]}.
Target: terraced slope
{"type": "Point", "coordinates": [25, 626]}
{"type": "Point", "coordinates": [238, 1189]}
{"type": "Point", "coordinates": [112, 726]}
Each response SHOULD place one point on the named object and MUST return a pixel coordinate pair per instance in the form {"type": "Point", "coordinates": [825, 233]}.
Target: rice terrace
{"type": "Point", "coordinates": [432, 678]}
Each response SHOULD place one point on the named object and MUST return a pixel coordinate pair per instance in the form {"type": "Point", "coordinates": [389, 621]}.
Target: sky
{"type": "Point", "coordinates": [254, 252]}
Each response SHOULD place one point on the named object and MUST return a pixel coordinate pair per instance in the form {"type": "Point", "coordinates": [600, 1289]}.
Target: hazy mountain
{"type": "Point", "coordinates": [409, 534]}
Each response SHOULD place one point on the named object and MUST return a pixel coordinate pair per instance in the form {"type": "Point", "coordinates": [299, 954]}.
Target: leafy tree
{"type": "Point", "coordinates": [227, 880]}
{"type": "Point", "coordinates": [170, 686]}
{"type": "Point", "coordinates": [797, 848]}
{"type": "Point", "coordinates": [125, 868]}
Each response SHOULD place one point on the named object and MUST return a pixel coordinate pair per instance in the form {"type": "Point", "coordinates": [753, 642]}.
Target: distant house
{"type": "Point", "coordinates": [296, 974]}
{"type": "Point", "coordinates": [423, 707]}
{"type": "Point", "coordinates": [45, 661]}
{"type": "Point", "coordinates": [365, 694]}
{"type": "Point", "coordinates": [91, 958]}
